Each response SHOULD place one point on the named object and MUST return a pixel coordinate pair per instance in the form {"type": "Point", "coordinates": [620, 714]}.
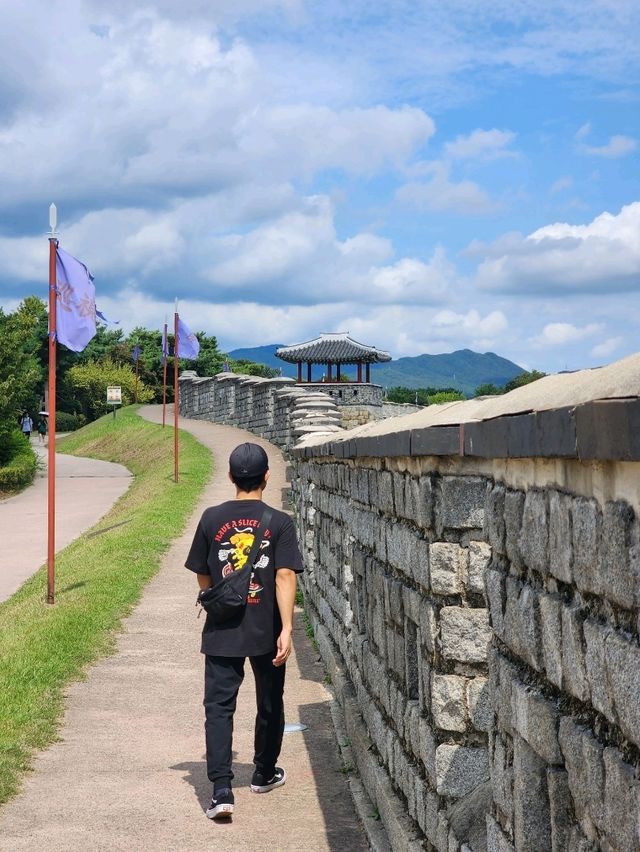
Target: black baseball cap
{"type": "Point", "coordinates": [248, 460]}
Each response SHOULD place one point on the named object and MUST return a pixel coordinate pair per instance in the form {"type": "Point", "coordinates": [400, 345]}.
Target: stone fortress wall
{"type": "Point", "coordinates": [281, 410]}
{"type": "Point", "coordinates": [474, 585]}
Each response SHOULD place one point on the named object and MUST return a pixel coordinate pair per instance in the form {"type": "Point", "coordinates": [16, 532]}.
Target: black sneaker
{"type": "Point", "coordinates": [260, 784]}
{"type": "Point", "coordinates": [221, 806]}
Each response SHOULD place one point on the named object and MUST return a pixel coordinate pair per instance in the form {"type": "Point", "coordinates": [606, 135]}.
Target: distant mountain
{"type": "Point", "coordinates": [463, 369]}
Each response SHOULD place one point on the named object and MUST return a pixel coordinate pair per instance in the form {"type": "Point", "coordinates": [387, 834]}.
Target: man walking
{"type": "Point", "coordinates": [261, 631]}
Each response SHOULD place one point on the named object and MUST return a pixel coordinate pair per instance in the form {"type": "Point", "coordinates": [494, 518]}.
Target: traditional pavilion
{"type": "Point", "coordinates": [333, 350]}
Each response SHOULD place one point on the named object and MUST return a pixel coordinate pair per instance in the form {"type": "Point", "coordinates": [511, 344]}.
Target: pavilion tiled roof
{"type": "Point", "coordinates": [335, 348]}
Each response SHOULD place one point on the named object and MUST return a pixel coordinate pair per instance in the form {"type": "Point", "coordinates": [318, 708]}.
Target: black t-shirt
{"type": "Point", "coordinates": [221, 545]}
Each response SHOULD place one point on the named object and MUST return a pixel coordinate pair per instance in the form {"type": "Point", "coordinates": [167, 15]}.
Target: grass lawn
{"type": "Point", "coordinates": [98, 581]}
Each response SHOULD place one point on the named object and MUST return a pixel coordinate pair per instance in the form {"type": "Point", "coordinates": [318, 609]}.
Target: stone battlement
{"type": "Point", "coordinates": [473, 578]}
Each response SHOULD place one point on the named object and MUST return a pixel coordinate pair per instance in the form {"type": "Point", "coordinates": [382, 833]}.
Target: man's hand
{"type": "Point", "coordinates": [283, 647]}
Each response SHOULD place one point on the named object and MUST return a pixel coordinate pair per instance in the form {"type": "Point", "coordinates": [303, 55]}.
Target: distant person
{"type": "Point", "coordinates": [261, 631]}
{"type": "Point", "coordinates": [26, 424]}
{"type": "Point", "coordinates": [42, 429]}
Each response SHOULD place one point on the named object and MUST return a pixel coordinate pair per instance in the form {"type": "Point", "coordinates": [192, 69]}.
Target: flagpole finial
{"type": "Point", "coordinates": [53, 218]}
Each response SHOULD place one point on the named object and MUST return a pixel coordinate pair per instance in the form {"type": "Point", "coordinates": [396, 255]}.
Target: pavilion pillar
{"type": "Point", "coordinates": [368, 372]}
{"type": "Point", "coordinates": [359, 372]}
{"type": "Point", "coordinates": [329, 371]}
{"type": "Point", "coordinates": [337, 372]}
{"type": "Point", "coordinates": [308, 371]}
{"type": "Point", "coordinates": [299, 372]}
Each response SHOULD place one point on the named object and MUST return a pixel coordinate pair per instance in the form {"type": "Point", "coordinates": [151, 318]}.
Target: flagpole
{"type": "Point", "coordinates": [135, 393]}
{"type": "Point", "coordinates": [164, 373]}
{"type": "Point", "coordinates": [51, 466]}
{"type": "Point", "coordinates": [176, 403]}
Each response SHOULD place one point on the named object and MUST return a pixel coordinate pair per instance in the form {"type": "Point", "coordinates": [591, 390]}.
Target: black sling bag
{"type": "Point", "coordinates": [229, 597]}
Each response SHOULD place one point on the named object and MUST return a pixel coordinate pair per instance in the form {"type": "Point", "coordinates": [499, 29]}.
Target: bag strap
{"type": "Point", "coordinates": [265, 520]}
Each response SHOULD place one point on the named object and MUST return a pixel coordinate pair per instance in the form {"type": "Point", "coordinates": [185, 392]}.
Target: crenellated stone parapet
{"type": "Point", "coordinates": [278, 409]}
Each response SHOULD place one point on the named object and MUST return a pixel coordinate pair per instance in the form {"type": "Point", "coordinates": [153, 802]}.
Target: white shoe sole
{"type": "Point", "coordinates": [266, 787]}
{"type": "Point", "coordinates": [224, 810]}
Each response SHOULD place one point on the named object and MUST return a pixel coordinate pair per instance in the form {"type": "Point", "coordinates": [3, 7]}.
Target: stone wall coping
{"type": "Point", "coordinates": [598, 430]}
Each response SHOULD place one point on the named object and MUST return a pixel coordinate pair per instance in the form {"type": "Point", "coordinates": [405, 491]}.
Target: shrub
{"type": "Point", "coordinates": [66, 422]}
{"type": "Point", "coordinates": [20, 470]}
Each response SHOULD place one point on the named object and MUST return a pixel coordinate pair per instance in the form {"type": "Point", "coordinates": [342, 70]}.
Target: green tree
{"type": "Point", "coordinates": [445, 396]}
{"type": "Point", "coordinates": [89, 383]}
{"type": "Point", "coordinates": [250, 368]}
{"type": "Point", "coordinates": [488, 389]}
{"type": "Point", "coordinates": [523, 379]}
{"type": "Point", "coordinates": [21, 372]}
{"type": "Point", "coordinates": [419, 396]}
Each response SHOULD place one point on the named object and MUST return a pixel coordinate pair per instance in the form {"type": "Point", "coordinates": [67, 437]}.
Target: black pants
{"type": "Point", "coordinates": [222, 679]}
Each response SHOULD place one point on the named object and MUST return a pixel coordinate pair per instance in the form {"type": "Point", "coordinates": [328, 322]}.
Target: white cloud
{"type": "Point", "coordinates": [559, 333]}
{"type": "Point", "coordinates": [166, 107]}
{"type": "Point", "coordinates": [583, 131]}
{"type": "Point", "coordinates": [617, 146]}
{"type": "Point", "coordinates": [480, 145]}
{"type": "Point", "coordinates": [442, 194]}
{"type": "Point", "coordinates": [560, 184]}
{"type": "Point", "coordinates": [602, 256]}
{"type": "Point", "coordinates": [448, 323]}
{"type": "Point", "coordinates": [607, 347]}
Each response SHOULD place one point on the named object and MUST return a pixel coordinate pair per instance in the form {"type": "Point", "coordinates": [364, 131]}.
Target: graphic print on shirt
{"type": "Point", "coordinates": [235, 540]}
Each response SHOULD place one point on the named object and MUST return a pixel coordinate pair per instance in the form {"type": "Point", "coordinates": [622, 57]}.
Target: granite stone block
{"type": "Point", "coordinates": [407, 552]}
{"type": "Point", "coordinates": [464, 634]}
{"type": "Point", "coordinates": [551, 634]}
{"type": "Point", "coordinates": [501, 772]}
{"type": "Point", "coordinates": [521, 622]}
{"type": "Point", "coordinates": [586, 524]}
{"type": "Point", "coordinates": [479, 703]}
{"type": "Point", "coordinates": [496, 599]}
{"type": "Point", "coordinates": [479, 557]}
{"type": "Point", "coordinates": [623, 672]}
{"type": "Point", "coordinates": [428, 626]}
{"type": "Point", "coordinates": [560, 536]}
{"type": "Point", "coordinates": [534, 535]}
{"type": "Point", "coordinates": [494, 526]}
{"type": "Point", "coordinates": [614, 566]}
{"type": "Point", "coordinates": [459, 769]}
{"type": "Point", "coordinates": [460, 503]}
{"type": "Point", "coordinates": [531, 810]}
{"type": "Point", "coordinates": [427, 752]}
{"type": "Point", "coordinates": [449, 702]}
{"type": "Point", "coordinates": [621, 803]}
{"type": "Point", "coordinates": [446, 564]}
{"type": "Point", "coordinates": [513, 510]}
{"type": "Point", "coordinates": [574, 671]}
{"type": "Point", "coordinates": [497, 841]}
{"type": "Point", "coordinates": [385, 492]}
{"type": "Point", "coordinates": [595, 636]}
{"type": "Point", "coordinates": [560, 808]}
{"type": "Point", "coordinates": [583, 756]}
{"type": "Point", "coordinates": [536, 720]}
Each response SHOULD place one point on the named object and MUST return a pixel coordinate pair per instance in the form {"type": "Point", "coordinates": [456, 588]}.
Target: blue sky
{"type": "Point", "coordinates": [427, 176]}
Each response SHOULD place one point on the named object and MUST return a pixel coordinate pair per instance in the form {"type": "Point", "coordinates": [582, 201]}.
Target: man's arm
{"type": "Point", "coordinates": [286, 582]}
{"type": "Point", "coordinates": [204, 580]}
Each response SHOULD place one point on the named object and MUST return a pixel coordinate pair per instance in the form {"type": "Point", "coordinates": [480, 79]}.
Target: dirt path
{"type": "Point", "coordinates": [129, 771]}
{"type": "Point", "coordinates": [23, 518]}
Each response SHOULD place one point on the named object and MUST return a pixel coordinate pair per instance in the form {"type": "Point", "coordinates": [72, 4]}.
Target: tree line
{"type": "Point", "coordinates": [434, 396]}
{"type": "Point", "coordinates": [82, 378]}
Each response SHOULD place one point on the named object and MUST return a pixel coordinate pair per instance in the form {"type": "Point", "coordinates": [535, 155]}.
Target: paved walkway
{"type": "Point", "coordinates": [23, 518]}
{"type": "Point", "coordinates": [129, 772]}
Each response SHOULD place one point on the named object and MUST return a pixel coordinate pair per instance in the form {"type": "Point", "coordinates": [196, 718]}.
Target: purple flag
{"type": "Point", "coordinates": [165, 344]}
{"type": "Point", "coordinates": [75, 303]}
{"type": "Point", "coordinates": [188, 345]}
{"type": "Point", "coordinates": [135, 353]}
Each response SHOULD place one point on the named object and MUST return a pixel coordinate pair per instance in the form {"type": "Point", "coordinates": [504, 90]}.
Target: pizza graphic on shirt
{"type": "Point", "coordinates": [234, 551]}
